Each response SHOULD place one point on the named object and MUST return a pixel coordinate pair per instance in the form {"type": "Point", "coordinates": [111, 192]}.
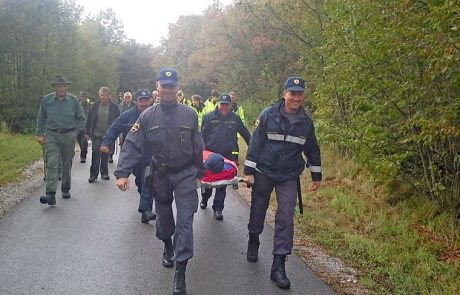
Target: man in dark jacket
{"type": "Point", "coordinates": [101, 115]}
{"type": "Point", "coordinates": [123, 124]}
{"type": "Point", "coordinates": [274, 160]}
{"type": "Point", "coordinates": [219, 129]}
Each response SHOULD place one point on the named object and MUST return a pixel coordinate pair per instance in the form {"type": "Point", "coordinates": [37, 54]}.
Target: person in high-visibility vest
{"type": "Point", "coordinates": [181, 98]}
{"type": "Point", "coordinates": [236, 108]}
{"type": "Point", "coordinates": [198, 106]}
{"type": "Point", "coordinates": [211, 103]}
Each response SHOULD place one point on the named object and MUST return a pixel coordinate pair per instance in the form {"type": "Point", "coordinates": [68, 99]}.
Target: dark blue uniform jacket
{"type": "Point", "coordinates": [219, 133]}
{"type": "Point", "coordinates": [122, 125]}
{"type": "Point", "coordinates": [276, 146]}
{"type": "Point", "coordinates": [169, 133]}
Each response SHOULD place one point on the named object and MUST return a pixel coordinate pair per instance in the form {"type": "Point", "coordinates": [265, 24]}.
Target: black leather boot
{"type": "Point", "coordinates": [253, 248]}
{"type": "Point", "coordinates": [49, 198]}
{"type": "Point", "coordinates": [179, 278]}
{"type": "Point", "coordinates": [278, 273]}
{"type": "Point", "coordinates": [147, 216]}
{"type": "Point", "coordinates": [168, 253]}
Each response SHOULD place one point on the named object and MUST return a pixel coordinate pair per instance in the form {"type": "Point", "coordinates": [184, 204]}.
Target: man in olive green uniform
{"type": "Point", "coordinates": [59, 120]}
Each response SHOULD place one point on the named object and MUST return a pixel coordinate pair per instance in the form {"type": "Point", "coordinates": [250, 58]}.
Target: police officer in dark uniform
{"type": "Point", "coordinates": [123, 124]}
{"type": "Point", "coordinates": [274, 160]}
{"type": "Point", "coordinates": [219, 129]}
{"type": "Point", "coordinates": [59, 120]}
{"type": "Point", "coordinates": [169, 132]}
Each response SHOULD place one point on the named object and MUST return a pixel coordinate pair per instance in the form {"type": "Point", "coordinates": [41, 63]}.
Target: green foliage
{"type": "Point", "coordinates": [40, 39]}
{"type": "Point", "coordinates": [397, 250]}
{"type": "Point", "coordinates": [16, 151]}
{"type": "Point", "coordinates": [389, 93]}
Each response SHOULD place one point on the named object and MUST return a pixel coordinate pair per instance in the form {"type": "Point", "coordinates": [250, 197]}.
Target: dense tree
{"type": "Point", "coordinates": [382, 76]}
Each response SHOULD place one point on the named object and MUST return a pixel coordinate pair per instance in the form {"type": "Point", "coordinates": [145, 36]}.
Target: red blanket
{"type": "Point", "coordinates": [229, 172]}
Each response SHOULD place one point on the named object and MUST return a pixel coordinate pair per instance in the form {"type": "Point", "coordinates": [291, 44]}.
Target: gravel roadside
{"type": "Point", "coordinates": [13, 193]}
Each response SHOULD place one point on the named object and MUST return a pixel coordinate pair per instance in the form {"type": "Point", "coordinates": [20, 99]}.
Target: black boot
{"type": "Point", "coordinates": [147, 216]}
{"type": "Point", "coordinates": [168, 253]}
{"type": "Point", "coordinates": [49, 199]}
{"type": "Point", "coordinates": [278, 274]}
{"type": "Point", "coordinates": [203, 203]}
{"type": "Point", "coordinates": [179, 278]}
{"type": "Point", "coordinates": [253, 248]}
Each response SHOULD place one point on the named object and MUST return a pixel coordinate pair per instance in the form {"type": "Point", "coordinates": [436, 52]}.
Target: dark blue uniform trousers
{"type": "Point", "coordinates": [182, 188]}
{"type": "Point", "coordinates": [286, 193]}
{"type": "Point", "coordinates": [145, 193]}
{"type": "Point", "coordinates": [219, 197]}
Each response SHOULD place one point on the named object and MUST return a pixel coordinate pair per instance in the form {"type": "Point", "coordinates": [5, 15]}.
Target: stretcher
{"type": "Point", "coordinates": [228, 175]}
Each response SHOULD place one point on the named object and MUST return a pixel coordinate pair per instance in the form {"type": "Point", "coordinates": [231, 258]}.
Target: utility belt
{"type": "Point", "coordinates": [62, 131]}
{"type": "Point", "coordinates": [164, 168]}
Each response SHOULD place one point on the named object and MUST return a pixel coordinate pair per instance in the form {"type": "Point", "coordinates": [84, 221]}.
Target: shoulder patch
{"type": "Point", "coordinates": [257, 123]}
{"type": "Point", "coordinates": [135, 127]}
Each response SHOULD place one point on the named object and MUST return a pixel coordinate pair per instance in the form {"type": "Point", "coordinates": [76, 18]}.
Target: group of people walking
{"type": "Point", "coordinates": [169, 138]}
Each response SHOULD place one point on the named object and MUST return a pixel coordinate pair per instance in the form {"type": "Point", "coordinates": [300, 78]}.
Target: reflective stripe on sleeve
{"type": "Point", "coordinates": [250, 164]}
{"type": "Point", "coordinates": [296, 139]}
{"type": "Point", "coordinates": [279, 137]}
{"type": "Point", "coordinates": [315, 169]}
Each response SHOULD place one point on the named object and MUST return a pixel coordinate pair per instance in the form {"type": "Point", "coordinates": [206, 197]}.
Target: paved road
{"type": "Point", "coordinates": [94, 243]}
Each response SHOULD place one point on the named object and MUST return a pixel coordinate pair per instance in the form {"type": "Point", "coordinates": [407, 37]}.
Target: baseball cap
{"type": "Point", "coordinates": [142, 93]}
{"type": "Point", "coordinates": [224, 98]}
{"type": "Point", "coordinates": [214, 163]}
{"type": "Point", "coordinates": [167, 76]}
{"type": "Point", "coordinates": [294, 84]}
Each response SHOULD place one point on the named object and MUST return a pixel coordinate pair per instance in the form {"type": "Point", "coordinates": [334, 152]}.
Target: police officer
{"type": "Point", "coordinates": [123, 124]}
{"type": "Point", "coordinates": [219, 130]}
{"type": "Point", "coordinates": [168, 131]}
{"type": "Point", "coordinates": [101, 115]}
{"type": "Point", "coordinates": [59, 120]}
{"type": "Point", "coordinates": [274, 160]}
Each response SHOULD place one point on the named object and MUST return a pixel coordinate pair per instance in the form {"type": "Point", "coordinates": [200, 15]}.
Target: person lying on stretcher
{"type": "Point", "coordinates": [220, 171]}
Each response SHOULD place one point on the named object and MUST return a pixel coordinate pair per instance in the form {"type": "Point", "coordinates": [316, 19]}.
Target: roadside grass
{"type": "Point", "coordinates": [405, 248]}
{"type": "Point", "coordinates": [16, 152]}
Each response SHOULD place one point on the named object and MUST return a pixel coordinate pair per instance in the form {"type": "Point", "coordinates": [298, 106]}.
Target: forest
{"type": "Point", "coordinates": [382, 76]}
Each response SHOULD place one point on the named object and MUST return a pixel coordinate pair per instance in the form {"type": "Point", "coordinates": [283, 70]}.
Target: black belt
{"type": "Point", "coordinates": [62, 131]}
{"type": "Point", "coordinates": [176, 169]}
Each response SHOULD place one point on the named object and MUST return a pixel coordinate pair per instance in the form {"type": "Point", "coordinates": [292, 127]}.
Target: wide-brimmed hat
{"type": "Point", "coordinates": [61, 80]}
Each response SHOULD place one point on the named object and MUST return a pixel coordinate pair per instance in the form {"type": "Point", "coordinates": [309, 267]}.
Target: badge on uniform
{"type": "Point", "coordinates": [257, 123]}
{"type": "Point", "coordinates": [135, 127]}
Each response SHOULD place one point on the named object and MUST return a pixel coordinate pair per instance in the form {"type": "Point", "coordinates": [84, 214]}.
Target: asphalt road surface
{"type": "Point", "coordinates": [94, 243]}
